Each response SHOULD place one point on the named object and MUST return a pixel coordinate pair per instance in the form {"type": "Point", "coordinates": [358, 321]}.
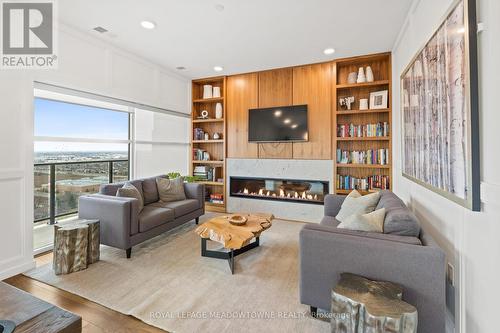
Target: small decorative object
{"type": "Point", "coordinates": [440, 108]}
{"type": "Point", "coordinates": [369, 74]}
{"type": "Point", "coordinates": [352, 77]}
{"type": "Point", "coordinates": [378, 100]}
{"type": "Point", "coordinates": [216, 136]}
{"type": "Point", "coordinates": [363, 104]}
{"type": "Point", "coordinates": [346, 102]}
{"type": "Point", "coordinates": [237, 220]}
{"type": "Point", "coordinates": [361, 75]}
{"type": "Point", "coordinates": [204, 114]}
{"type": "Point", "coordinates": [207, 91]}
{"type": "Point", "coordinates": [216, 92]}
{"type": "Point", "coordinates": [207, 136]}
{"type": "Point", "coordinates": [206, 156]}
{"type": "Point", "coordinates": [70, 248]}
{"type": "Point", "coordinates": [361, 305]}
{"type": "Point", "coordinates": [218, 111]}
{"type": "Point", "coordinates": [198, 133]}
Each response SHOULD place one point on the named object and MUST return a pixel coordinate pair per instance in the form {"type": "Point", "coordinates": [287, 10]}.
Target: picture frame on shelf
{"type": "Point", "coordinates": [378, 100]}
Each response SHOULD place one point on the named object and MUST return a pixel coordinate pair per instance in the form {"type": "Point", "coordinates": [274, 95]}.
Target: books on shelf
{"type": "Point", "coordinates": [200, 155]}
{"type": "Point", "coordinates": [360, 131]}
{"type": "Point", "coordinates": [206, 173]}
{"type": "Point", "coordinates": [366, 183]}
{"type": "Point", "coordinates": [371, 156]}
{"type": "Point", "coordinates": [216, 198]}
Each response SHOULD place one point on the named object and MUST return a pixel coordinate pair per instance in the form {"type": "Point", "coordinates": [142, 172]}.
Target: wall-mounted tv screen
{"type": "Point", "coordinates": [286, 123]}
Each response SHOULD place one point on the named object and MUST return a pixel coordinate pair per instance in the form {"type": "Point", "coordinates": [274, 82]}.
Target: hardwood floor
{"type": "Point", "coordinates": [95, 318]}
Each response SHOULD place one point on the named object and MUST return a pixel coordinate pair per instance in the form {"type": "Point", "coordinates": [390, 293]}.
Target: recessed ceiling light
{"type": "Point", "coordinates": [294, 126]}
{"type": "Point", "coordinates": [148, 24]}
{"type": "Point", "coordinates": [278, 113]}
{"type": "Point", "coordinates": [219, 7]}
{"type": "Point", "coordinates": [287, 121]}
{"type": "Point", "coordinates": [218, 68]}
{"type": "Point", "coordinates": [329, 50]}
{"type": "Point", "coordinates": [181, 68]}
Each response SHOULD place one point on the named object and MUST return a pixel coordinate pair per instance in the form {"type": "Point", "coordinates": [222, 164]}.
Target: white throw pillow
{"type": "Point", "coordinates": [371, 222]}
{"type": "Point", "coordinates": [130, 191]}
{"type": "Point", "coordinates": [170, 189]}
{"type": "Point", "coordinates": [354, 203]}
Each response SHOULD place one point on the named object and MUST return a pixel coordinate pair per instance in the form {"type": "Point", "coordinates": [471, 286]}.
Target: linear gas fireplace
{"type": "Point", "coordinates": [294, 190]}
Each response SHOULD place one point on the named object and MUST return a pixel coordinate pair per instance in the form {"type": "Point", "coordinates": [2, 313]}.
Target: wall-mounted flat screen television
{"type": "Point", "coordinates": [286, 123]}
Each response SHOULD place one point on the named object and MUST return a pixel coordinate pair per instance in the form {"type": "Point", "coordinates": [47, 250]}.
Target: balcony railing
{"type": "Point", "coordinates": [58, 185]}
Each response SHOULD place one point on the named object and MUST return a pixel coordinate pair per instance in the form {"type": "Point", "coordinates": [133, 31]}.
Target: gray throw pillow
{"type": "Point", "coordinates": [371, 222]}
{"type": "Point", "coordinates": [354, 203]}
{"type": "Point", "coordinates": [130, 191]}
{"type": "Point", "coordinates": [170, 189]}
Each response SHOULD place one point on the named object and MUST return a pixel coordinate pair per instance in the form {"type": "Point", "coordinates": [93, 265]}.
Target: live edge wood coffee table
{"type": "Point", "coordinates": [235, 239]}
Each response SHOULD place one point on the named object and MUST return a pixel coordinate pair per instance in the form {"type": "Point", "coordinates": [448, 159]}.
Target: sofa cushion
{"type": "Point", "coordinates": [150, 191]}
{"type": "Point", "coordinates": [399, 220]}
{"type": "Point", "coordinates": [371, 222]}
{"type": "Point", "coordinates": [130, 191]}
{"type": "Point", "coordinates": [329, 221]}
{"type": "Point", "coordinates": [151, 217]}
{"type": "Point", "coordinates": [170, 189]}
{"type": "Point", "coordinates": [110, 189]}
{"type": "Point", "coordinates": [180, 208]}
{"type": "Point", "coordinates": [354, 203]}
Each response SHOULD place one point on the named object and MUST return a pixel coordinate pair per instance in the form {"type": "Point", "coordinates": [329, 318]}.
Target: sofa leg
{"type": "Point", "coordinates": [197, 220]}
{"type": "Point", "coordinates": [129, 252]}
{"type": "Point", "coordinates": [314, 312]}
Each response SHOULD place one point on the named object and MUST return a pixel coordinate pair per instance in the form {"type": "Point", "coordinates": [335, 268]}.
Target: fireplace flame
{"type": "Point", "coordinates": [282, 193]}
{"type": "Point", "coordinates": [245, 191]}
{"type": "Point", "coordinates": [303, 195]}
{"type": "Point", "coordinates": [261, 191]}
{"type": "Point", "coordinates": [296, 195]}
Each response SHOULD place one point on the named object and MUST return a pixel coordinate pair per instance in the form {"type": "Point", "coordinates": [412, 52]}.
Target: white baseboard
{"type": "Point", "coordinates": [18, 269]}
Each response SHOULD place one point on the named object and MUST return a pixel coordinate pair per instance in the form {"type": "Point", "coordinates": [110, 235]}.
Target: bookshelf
{"type": "Point", "coordinates": [215, 148]}
{"type": "Point", "coordinates": [373, 145]}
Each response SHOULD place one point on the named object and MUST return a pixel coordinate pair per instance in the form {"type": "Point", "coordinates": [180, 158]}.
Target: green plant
{"type": "Point", "coordinates": [187, 179]}
{"type": "Point", "coordinates": [173, 175]}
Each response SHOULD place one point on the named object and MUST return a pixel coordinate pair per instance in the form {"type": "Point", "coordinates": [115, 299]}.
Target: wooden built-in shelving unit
{"type": "Point", "coordinates": [216, 148]}
{"type": "Point", "coordinates": [381, 67]}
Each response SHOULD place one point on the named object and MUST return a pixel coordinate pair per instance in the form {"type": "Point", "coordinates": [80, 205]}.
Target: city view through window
{"type": "Point", "coordinates": [76, 149]}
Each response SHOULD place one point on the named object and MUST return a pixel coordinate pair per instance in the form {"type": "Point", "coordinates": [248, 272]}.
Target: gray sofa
{"type": "Point", "coordinates": [122, 226]}
{"type": "Point", "coordinates": [403, 254]}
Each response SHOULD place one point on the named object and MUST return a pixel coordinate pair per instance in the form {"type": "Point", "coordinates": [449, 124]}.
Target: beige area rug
{"type": "Point", "coordinates": [168, 284]}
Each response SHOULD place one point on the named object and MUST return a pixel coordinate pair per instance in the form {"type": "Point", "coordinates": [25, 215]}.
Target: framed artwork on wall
{"type": "Point", "coordinates": [440, 116]}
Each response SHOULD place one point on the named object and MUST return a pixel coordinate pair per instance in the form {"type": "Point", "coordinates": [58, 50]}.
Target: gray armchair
{"type": "Point", "coordinates": [415, 262]}
{"type": "Point", "coordinates": [122, 226]}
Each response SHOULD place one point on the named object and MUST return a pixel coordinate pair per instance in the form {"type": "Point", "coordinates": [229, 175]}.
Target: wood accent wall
{"type": "Point", "coordinates": [242, 94]}
{"type": "Point", "coordinates": [275, 89]}
{"type": "Point", "coordinates": [315, 85]}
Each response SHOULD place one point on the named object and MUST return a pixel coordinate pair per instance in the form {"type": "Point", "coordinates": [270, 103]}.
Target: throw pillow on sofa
{"type": "Point", "coordinates": [130, 191]}
{"type": "Point", "coordinates": [170, 189]}
{"type": "Point", "coordinates": [354, 203]}
{"type": "Point", "coordinates": [371, 222]}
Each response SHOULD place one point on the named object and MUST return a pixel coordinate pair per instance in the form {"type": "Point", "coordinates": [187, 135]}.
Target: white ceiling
{"type": "Point", "coordinates": [248, 35]}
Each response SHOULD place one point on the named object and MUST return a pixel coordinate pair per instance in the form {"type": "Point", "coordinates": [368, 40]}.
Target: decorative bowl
{"type": "Point", "coordinates": [237, 220]}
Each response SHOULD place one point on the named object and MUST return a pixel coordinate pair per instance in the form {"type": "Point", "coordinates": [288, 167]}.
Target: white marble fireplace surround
{"type": "Point", "coordinates": [285, 169]}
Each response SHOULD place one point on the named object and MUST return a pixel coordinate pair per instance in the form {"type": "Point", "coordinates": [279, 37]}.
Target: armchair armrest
{"type": "Point", "coordinates": [333, 202]}
{"type": "Point", "coordinates": [325, 253]}
{"type": "Point", "coordinates": [118, 217]}
{"type": "Point", "coordinates": [197, 192]}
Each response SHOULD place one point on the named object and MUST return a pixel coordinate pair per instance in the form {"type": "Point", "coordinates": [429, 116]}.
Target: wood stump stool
{"type": "Point", "coordinates": [70, 248]}
{"type": "Point", "coordinates": [71, 252]}
{"type": "Point", "coordinates": [360, 305]}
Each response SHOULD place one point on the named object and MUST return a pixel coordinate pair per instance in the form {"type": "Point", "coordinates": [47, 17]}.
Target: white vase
{"type": "Point", "coordinates": [207, 91]}
{"type": "Point", "coordinates": [216, 93]}
{"type": "Point", "coordinates": [352, 77]}
{"type": "Point", "coordinates": [207, 136]}
{"type": "Point", "coordinates": [361, 76]}
{"type": "Point", "coordinates": [218, 111]}
{"type": "Point", "coordinates": [369, 74]}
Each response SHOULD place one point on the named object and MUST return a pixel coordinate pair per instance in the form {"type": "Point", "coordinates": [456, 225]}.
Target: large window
{"type": "Point", "coordinates": [77, 148]}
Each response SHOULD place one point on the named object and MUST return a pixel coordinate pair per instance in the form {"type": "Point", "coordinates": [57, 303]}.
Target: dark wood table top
{"type": "Point", "coordinates": [34, 315]}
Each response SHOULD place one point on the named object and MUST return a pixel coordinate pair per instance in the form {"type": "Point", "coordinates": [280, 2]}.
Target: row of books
{"type": "Point", "coordinates": [217, 198]}
{"type": "Point", "coordinates": [200, 155]}
{"type": "Point", "coordinates": [360, 131]}
{"type": "Point", "coordinates": [203, 172]}
{"type": "Point", "coordinates": [198, 134]}
{"type": "Point", "coordinates": [372, 156]}
{"type": "Point", "coordinates": [367, 183]}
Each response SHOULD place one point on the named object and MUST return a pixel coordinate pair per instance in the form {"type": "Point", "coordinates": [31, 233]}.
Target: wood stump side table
{"type": "Point", "coordinates": [76, 245]}
{"type": "Point", "coordinates": [360, 305]}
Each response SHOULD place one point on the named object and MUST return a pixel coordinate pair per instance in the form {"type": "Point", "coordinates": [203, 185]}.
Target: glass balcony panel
{"type": "Point", "coordinates": [41, 198]}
